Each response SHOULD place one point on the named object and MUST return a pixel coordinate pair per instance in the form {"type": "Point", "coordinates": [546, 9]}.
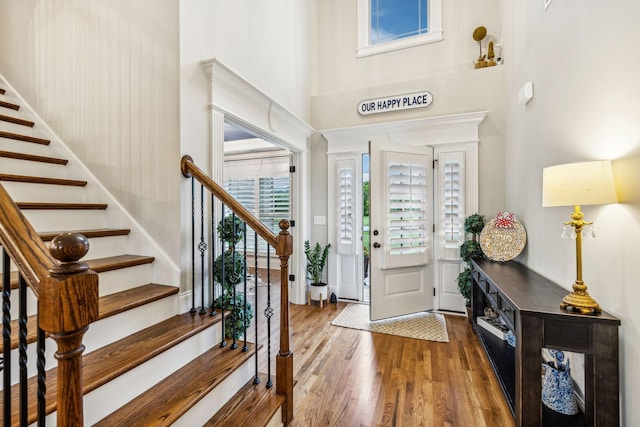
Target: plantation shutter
{"type": "Point", "coordinates": [346, 198]}
{"type": "Point", "coordinates": [452, 200]}
{"type": "Point", "coordinates": [267, 199]}
{"type": "Point", "coordinates": [407, 230]}
{"type": "Point", "coordinates": [244, 191]}
{"type": "Point", "coordinates": [273, 204]}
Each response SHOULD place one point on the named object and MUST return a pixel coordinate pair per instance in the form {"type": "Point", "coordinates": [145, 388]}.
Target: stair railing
{"type": "Point", "coordinates": [67, 298]}
{"type": "Point", "coordinates": [283, 245]}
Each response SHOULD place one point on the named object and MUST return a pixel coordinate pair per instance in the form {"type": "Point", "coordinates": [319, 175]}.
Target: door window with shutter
{"type": "Point", "coordinates": [407, 203]}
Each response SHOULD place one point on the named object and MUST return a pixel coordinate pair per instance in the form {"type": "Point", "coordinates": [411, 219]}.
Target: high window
{"type": "Point", "coordinates": [385, 25]}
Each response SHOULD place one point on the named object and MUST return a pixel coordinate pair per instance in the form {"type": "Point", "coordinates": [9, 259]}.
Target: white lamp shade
{"type": "Point", "coordinates": [576, 184]}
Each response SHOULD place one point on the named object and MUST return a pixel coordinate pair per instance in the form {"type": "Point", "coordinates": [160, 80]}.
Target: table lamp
{"type": "Point", "coordinates": [578, 184]}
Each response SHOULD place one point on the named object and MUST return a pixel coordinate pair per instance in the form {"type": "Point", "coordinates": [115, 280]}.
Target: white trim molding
{"type": "Point", "coordinates": [239, 99]}
{"type": "Point", "coordinates": [432, 131]}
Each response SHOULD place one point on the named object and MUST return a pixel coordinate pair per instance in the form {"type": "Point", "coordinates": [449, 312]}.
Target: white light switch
{"type": "Point", "coordinates": [526, 93]}
{"type": "Point", "coordinates": [319, 220]}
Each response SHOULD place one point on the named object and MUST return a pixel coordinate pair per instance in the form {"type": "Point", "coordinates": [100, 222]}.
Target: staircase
{"type": "Point", "coordinates": [145, 363]}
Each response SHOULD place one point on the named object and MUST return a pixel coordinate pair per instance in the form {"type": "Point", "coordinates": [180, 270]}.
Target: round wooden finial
{"type": "Point", "coordinates": [69, 248]}
{"type": "Point", "coordinates": [284, 226]}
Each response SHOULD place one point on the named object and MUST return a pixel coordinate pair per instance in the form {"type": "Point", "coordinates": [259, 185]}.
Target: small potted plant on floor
{"type": "Point", "coordinates": [316, 260]}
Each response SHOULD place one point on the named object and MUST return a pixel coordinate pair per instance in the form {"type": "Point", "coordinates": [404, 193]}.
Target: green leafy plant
{"type": "Point", "coordinates": [231, 230]}
{"type": "Point", "coordinates": [240, 318]}
{"type": "Point", "coordinates": [464, 285]}
{"type": "Point", "coordinates": [316, 259]}
{"type": "Point", "coordinates": [234, 268]}
{"type": "Point", "coordinates": [471, 250]}
{"type": "Point", "coordinates": [474, 224]}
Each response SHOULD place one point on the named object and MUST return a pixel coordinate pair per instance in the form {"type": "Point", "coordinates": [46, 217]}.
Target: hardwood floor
{"type": "Point", "coordinates": [348, 377]}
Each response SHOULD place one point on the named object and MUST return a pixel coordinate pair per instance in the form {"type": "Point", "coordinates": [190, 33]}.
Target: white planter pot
{"type": "Point", "coordinates": [318, 293]}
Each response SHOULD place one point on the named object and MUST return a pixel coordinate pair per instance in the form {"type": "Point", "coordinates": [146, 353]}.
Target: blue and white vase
{"type": "Point", "coordinates": [557, 385]}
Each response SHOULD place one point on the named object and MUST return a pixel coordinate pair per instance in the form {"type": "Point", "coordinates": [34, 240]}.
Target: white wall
{"type": "Point", "coordinates": [104, 76]}
{"type": "Point", "coordinates": [444, 68]}
{"type": "Point", "coordinates": [584, 61]}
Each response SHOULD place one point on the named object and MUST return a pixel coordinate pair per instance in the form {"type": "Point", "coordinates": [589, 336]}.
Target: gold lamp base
{"type": "Point", "coordinates": [579, 300]}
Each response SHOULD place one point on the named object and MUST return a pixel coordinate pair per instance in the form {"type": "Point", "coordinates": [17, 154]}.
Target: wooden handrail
{"type": "Point", "coordinates": [22, 243]}
{"type": "Point", "coordinates": [190, 169]}
{"type": "Point", "coordinates": [67, 293]}
{"type": "Point", "coordinates": [283, 244]}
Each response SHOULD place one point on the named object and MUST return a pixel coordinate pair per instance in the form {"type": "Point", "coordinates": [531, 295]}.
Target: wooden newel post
{"type": "Point", "coordinates": [284, 359]}
{"type": "Point", "coordinates": [68, 303]}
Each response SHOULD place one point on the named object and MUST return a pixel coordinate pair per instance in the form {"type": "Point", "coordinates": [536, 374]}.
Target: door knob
{"type": "Point", "coordinates": [376, 245]}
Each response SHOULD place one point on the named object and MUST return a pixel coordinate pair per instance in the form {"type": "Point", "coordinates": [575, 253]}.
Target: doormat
{"type": "Point", "coordinates": [423, 326]}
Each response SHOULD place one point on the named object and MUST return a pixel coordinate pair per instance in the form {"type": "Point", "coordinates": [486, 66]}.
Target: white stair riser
{"type": "Point", "coordinates": [32, 192]}
{"type": "Point", "coordinates": [214, 400]}
{"type": "Point", "coordinates": [102, 247]}
{"type": "Point", "coordinates": [100, 333]}
{"type": "Point", "coordinates": [106, 399]}
{"type": "Point", "coordinates": [116, 327]}
{"type": "Point", "coordinates": [15, 146]}
{"type": "Point", "coordinates": [124, 278]}
{"type": "Point", "coordinates": [35, 131]}
{"type": "Point", "coordinates": [32, 168]}
{"type": "Point", "coordinates": [63, 220]}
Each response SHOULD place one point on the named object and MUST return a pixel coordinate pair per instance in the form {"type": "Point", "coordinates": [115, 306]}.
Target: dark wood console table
{"type": "Point", "coordinates": [530, 306]}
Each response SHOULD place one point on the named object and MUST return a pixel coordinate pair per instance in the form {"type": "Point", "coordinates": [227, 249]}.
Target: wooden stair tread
{"type": "Point", "coordinates": [42, 180]}
{"type": "Point", "coordinates": [24, 138]}
{"type": "Point", "coordinates": [110, 305]}
{"type": "Point", "coordinates": [100, 265]}
{"type": "Point", "coordinates": [168, 400]}
{"type": "Point", "coordinates": [113, 360]}
{"type": "Point", "coordinates": [16, 120]}
{"type": "Point", "coordinates": [93, 233]}
{"type": "Point", "coordinates": [9, 105]}
{"type": "Point", "coordinates": [252, 406]}
{"type": "Point", "coordinates": [32, 158]}
{"type": "Point", "coordinates": [60, 206]}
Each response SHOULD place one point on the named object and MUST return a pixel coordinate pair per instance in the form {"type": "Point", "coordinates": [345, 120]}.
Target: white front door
{"type": "Point", "coordinates": [401, 226]}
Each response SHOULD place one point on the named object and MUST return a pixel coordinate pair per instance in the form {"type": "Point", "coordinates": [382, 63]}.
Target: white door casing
{"type": "Point", "coordinates": [449, 133]}
{"type": "Point", "coordinates": [401, 223]}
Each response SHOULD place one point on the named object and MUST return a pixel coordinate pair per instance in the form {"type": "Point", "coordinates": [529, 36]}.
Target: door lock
{"type": "Point", "coordinates": [376, 245]}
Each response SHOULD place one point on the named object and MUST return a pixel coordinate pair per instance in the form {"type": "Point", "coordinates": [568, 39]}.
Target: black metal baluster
{"type": "Point", "coordinates": [256, 380]}
{"type": "Point", "coordinates": [244, 254]}
{"type": "Point", "coordinates": [193, 243]}
{"type": "Point", "coordinates": [22, 349]}
{"type": "Point", "coordinates": [233, 281]}
{"type": "Point", "coordinates": [42, 378]}
{"type": "Point", "coordinates": [268, 312]}
{"type": "Point", "coordinates": [6, 337]}
{"type": "Point", "coordinates": [202, 247]}
{"type": "Point", "coordinates": [222, 275]}
{"type": "Point", "coordinates": [213, 311]}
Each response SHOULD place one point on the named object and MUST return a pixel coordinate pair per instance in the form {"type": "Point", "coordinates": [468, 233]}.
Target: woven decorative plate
{"type": "Point", "coordinates": [502, 244]}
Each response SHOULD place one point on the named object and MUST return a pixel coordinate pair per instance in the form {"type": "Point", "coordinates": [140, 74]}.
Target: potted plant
{"type": "Point", "coordinates": [469, 250]}
{"type": "Point", "coordinates": [316, 260]}
{"type": "Point", "coordinates": [231, 231]}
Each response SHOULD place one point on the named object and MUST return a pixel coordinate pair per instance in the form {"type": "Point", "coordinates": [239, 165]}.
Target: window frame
{"type": "Point", "coordinates": [435, 32]}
